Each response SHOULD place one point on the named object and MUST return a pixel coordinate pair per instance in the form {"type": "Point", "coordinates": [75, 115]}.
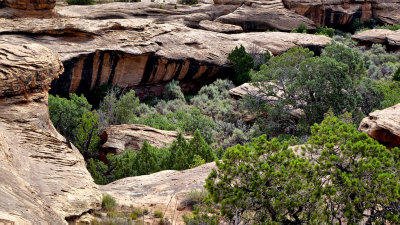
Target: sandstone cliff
{"type": "Point", "coordinates": [341, 13]}
{"type": "Point", "coordinates": [43, 179]}
{"type": "Point", "coordinates": [138, 52]}
{"type": "Point", "coordinates": [27, 8]}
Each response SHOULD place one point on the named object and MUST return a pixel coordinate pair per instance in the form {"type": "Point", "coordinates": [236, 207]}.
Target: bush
{"type": "Point", "coordinates": [158, 214]}
{"type": "Point", "coordinates": [109, 203]}
{"type": "Point", "coordinates": [242, 63]}
{"type": "Point", "coordinates": [173, 91]}
{"type": "Point", "coordinates": [396, 75]}
{"type": "Point", "coordinates": [80, 2]}
{"type": "Point", "coordinates": [189, 2]}
{"type": "Point", "coordinates": [302, 28]}
{"type": "Point", "coordinates": [342, 174]}
{"type": "Point", "coordinates": [329, 32]}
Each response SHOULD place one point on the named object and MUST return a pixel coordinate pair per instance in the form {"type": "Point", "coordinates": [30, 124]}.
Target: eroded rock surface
{"type": "Point", "coordinates": [43, 179]}
{"type": "Point", "coordinates": [379, 36]}
{"type": "Point", "coordinates": [134, 52]}
{"type": "Point", "coordinates": [342, 13]}
{"type": "Point", "coordinates": [383, 126]}
{"type": "Point", "coordinates": [27, 8]}
{"type": "Point", "coordinates": [164, 191]}
{"type": "Point", "coordinates": [117, 138]}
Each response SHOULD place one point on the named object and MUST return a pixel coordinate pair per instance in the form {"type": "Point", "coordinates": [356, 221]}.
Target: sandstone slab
{"type": "Point", "coordinates": [118, 138]}
{"type": "Point", "coordinates": [43, 179]}
{"type": "Point", "coordinates": [383, 126]}
{"type": "Point", "coordinates": [379, 36]}
{"type": "Point", "coordinates": [220, 27]}
{"type": "Point", "coordinates": [162, 191]}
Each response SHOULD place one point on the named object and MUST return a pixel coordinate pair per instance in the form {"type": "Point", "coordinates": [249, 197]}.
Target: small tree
{"type": "Point", "coordinates": [396, 75]}
{"type": "Point", "coordinates": [242, 63]}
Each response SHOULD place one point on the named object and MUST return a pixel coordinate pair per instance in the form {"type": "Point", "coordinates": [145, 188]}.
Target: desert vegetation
{"type": "Point", "coordinates": [334, 175]}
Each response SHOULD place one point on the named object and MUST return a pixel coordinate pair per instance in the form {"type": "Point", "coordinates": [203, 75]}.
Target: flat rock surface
{"type": "Point", "coordinates": [381, 36]}
{"type": "Point", "coordinates": [383, 126]}
{"type": "Point", "coordinates": [162, 191]}
{"type": "Point", "coordinates": [132, 136]}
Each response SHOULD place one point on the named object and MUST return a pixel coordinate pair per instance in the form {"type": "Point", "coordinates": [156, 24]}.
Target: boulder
{"type": "Point", "coordinates": [164, 191]}
{"type": "Point", "coordinates": [117, 138]}
{"type": "Point", "coordinates": [43, 179]}
{"type": "Point", "coordinates": [383, 126]}
{"type": "Point", "coordinates": [379, 36]}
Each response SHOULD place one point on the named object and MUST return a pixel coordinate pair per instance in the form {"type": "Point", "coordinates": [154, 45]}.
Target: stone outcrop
{"type": "Point", "coordinates": [220, 27]}
{"type": "Point", "coordinates": [342, 13]}
{"type": "Point", "coordinates": [383, 126]}
{"type": "Point", "coordinates": [164, 191]}
{"type": "Point", "coordinates": [43, 179]}
{"type": "Point", "coordinates": [265, 15]}
{"type": "Point", "coordinates": [379, 36]}
{"type": "Point", "coordinates": [133, 52]}
{"type": "Point", "coordinates": [117, 138]}
{"type": "Point", "coordinates": [27, 8]}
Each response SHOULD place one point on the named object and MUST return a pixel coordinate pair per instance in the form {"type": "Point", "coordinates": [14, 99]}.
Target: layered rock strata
{"type": "Point", "coordinates": [27, 8]}
{"type": "Point", "coordinates": [117, 138]}
{"type": "Point", "coordinates": [342, 13]}
{"type": "Point", "coordinates": [140, 52]}
{"type": "Point", "coordinates": [383, 126]}
{"type": "Point", "coordinates": [379, 36]}
{"type": "Point", "coordinates": [43, 179]}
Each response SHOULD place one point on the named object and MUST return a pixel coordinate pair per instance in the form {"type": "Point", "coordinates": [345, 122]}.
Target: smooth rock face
{"type": "Point", "coordinates": [383, 126]}
{"type": "Point", "coordinates": [380, 36]}
{"type": "Point", "coordinates": [163, 191]}
{"type": "Point", "coordinates": [118, 138]}
{"type": "Point", "coordinates": [134, 52]}
{"type": "Point", "coordinates": [43, 180]}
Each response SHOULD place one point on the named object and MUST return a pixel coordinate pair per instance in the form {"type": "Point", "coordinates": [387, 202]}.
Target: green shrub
{"type": "Point", "coordinates": [302, 28]}
{"type": "Point", "coordinates": [266, 182]}
{"type": "Point", "coordinates": [158, 214]}
{"type": "Point", "coordinates": [189, 2]}
{"type": "Point", "coordinates": [80, 2]}
{"type": "Point", "coordinates": [329, 32]}
{"type": "Point", "coordinates": [109, 203]}
{"type": "Point", "coordinates": [396, 75]}
{"type": "Point", "coordinates": [242, 63]}
{"type": "Point", "coordinates": [173, 91]}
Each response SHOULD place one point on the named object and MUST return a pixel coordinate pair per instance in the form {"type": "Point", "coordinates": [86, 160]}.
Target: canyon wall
{"type": "Point", "coordinates": [342, 13]}
{"type": "Point", "coordinates": [43, 178]}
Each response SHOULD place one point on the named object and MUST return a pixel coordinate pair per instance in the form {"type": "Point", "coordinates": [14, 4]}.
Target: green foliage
{"type": "Point", "coordinates": [189, 2]}
{"type": "Point", "coordinates": [214, 101]}
{"type": "Point", "coordinates": [116, 110]}
{"type": "Point", "coordinates": [158, 214]}
{"type": "Point", "coordinates": [396, 75]}
{"type": "Point", "coordinates": [393, 27]}
{"type": "Point", "coordinates": [80, 2]}
{"type": "Point", "coordinates": [242, 63]}
{"type": "Point", "coordinates": [343, 175]}
{"type": "Point", "coordinates": [87, 135]}
{"type": "Point", "coordinates": [327, 31]}
{"type": "Point", "coordinates": [98, 170]}
{"type": "Point", "coordinates": [109, 202]}
{"type": "Point", "coordinates": [296, 80]}
{"type": "Point", "coordinates": [97, 94]}
{"type": "Point", "coordinates": [347, 56]}
{"type": "Point", "coordinates": [302, 28]}
{"type": "Point", "coordinates": [173, 91]}
{"type": "Point", "coordinates": [66, 114]}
